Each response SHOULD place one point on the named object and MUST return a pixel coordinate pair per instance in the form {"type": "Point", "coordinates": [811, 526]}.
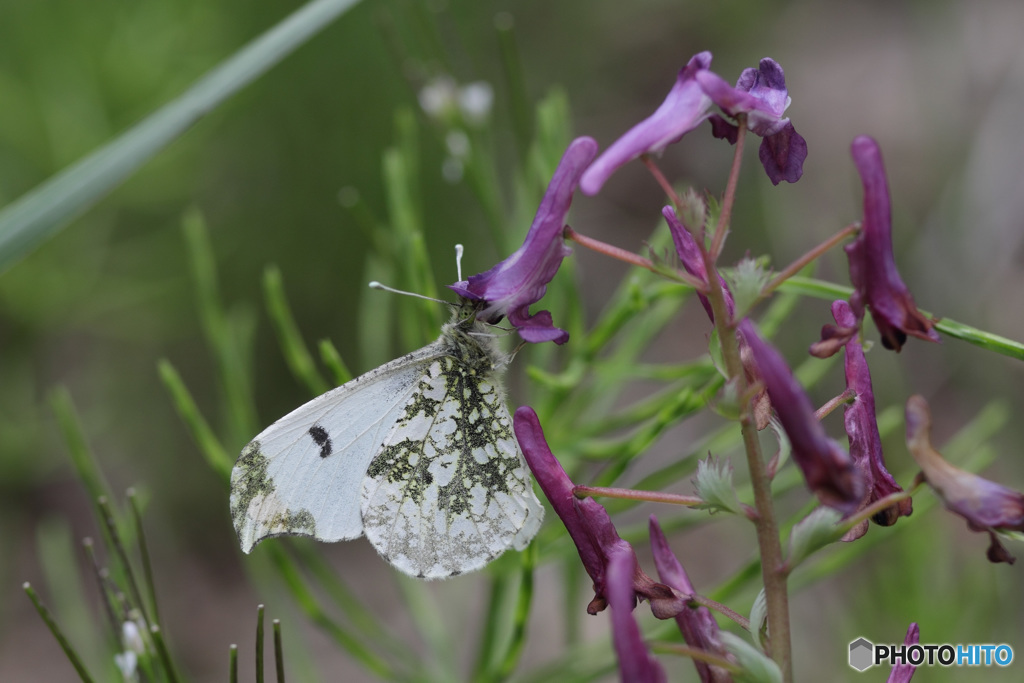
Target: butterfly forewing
{"type": "Point", "coordinates": [302, 474]}
{"type": "Point", "coordinates": [449, 490]}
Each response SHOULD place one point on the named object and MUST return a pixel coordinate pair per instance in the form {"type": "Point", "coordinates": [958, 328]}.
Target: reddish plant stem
{"type": "Point", "coordinates": [629, 257]}
{"type": "Point", "coordinates": [833, 403]}
{"type": "Point", "coordinates": [730, 190]}
{"type": "Point", "coordinates": [670, 191]}
{"type": "Point", "coordinates": [797, 265]}
{"type": "Point", "coordinates": [581, 491]}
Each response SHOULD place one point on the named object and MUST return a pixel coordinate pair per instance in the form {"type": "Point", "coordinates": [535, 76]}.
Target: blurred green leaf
{"type": "Point", "coordinates": [42, 212]}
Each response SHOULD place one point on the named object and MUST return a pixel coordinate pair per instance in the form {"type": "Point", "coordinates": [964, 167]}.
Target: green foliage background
{"type": "Point", "coordinates": [940, 85]}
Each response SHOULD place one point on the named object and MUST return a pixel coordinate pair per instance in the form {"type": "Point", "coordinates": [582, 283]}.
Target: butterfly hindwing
{"type": "Point", "coordinates": [449, 489]}
{"type": "Point", "coordinates": [302, 474]}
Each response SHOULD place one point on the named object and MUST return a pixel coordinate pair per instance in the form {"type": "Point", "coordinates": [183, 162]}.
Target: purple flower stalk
{"type": "Point", "coordinates": [698, 625]}
{"type": "Point", "coordinates": [828, 470]}
{"type": "Point", "coordinates": [862, 429]}
{"type": "Point", "coordinates": [762, 95]}
{"type": "Point", "coordinates": [903, 672]}
{"type": "Point", "coordinates": [873, 271]}
{"type": "Point", "coordinates": [635, 661]}
{"type": "Point", "coordinates": [509, 288]}
{"type": "Point", "coordinates": [985, 505]}
{"type": "Point", "coordinates": [683, 110]}
{"type": "Point", "coordinates": [587, 522]}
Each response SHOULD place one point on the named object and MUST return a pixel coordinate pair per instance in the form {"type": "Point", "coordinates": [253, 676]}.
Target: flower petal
{"type": "Point", "coordinates": [510, 287]}
{"type": "Point", "coordinates": [862, 426]}
{"type": "Point", "coordinates": [829, 471]}
{"type": "Point", "coordinates": [635, 661]}
{"type": "Point", "coordinates": [903, 672]}
{"type": "Point", "coordinates": [685, 107]}
{"type": "Point", "coordinates": [986, 505]}
{"type": "Point", "coordinates": [872, 265]}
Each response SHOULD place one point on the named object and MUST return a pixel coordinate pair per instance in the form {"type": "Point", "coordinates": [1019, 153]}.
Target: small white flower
{"type": "Point", "coordinates": [457, 143]}
{"type": "Point", "coordinates": [132, 638]}
{"type": "Point", "coordinates": [452, 169]}
{"type": "Point", "coordinates": [126, 663]}
{"type": "Point", "coordinates": [438, 97]}
{"type": "Point", "coordinates": [475, 101]}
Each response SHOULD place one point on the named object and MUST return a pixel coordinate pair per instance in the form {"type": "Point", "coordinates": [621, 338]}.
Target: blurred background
{"type": "Point", "coordinates": [282, 172]}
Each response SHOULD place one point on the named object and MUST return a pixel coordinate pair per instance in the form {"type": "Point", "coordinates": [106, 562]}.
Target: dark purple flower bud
{"type": "Point", "coordinates": [693, 261]}
{"type": "Point", "coordinates": [683, 110]}
{"type": "Point", "coordinates": [697, 624]}
{"type": "Point", "coordinates": [872, 265]}
{"type": "Point", "coordinates": [829, 471]}
{"type": "Point", "coordinates": [903, 672]}
{"type": "Point", "coordinates": [635, 661]}
{"type": "Point", "coordinates": [509, 288]}
{"type": "Point", "coordinates": [761, 94]}
{"type": "Point", "coordinates": [587, 522]}
{"type": "Point", "coordinates": [862, 427]}
{"type": "Point", "coordinates": [985, 505]}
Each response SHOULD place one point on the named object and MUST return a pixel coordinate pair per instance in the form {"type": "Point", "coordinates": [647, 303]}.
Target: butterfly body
{"type": "Point", "coordinates": [417, 454]}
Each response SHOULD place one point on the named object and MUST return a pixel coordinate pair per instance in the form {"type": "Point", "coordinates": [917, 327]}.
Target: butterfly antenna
{"type": "Point", "coordinates": [378, 285]}
{"type": "Point", "coordinates": [458, 262]}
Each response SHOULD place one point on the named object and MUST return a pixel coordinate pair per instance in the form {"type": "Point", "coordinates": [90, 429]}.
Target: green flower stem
{"type": "Point", "coordinates": [829, 291]}
{"type": "Point", "coordinates": [106, 513]}
{"type": "Point", "coordinates": [299, 360]}
{"type": "Point", "coordinates": [768, 541]}
{"type": "Point", "coordinates": [57, 633]}
{"type": "Point", "coordinates": [581, 491]}
{"type": "Point", "coordinates": [259, 644]}
{"type": "Point", "coordinates": [495, 600]}
{"type": "Point", "coordinates": [278, 651]}
{"type": "Point", "coordinates": [147, 566]}
{"type": "Point", "coordinates": [233, 663]}
{"type": "Point", "coordinates": [699, 655]}
{"type": "Point", "coordinates": [163, 653]}
{"type": "Point", "coordinates": [521, 617]}
{"type": "Point", "coordinates": [722, 609]}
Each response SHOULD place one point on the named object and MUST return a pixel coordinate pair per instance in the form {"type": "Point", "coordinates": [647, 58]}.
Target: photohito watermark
{"type": "Point", "coordinates": [864, 654]}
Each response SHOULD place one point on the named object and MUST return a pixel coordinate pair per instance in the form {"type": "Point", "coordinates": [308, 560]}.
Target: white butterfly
{"type": "Point", "coordinates": [418, 454]}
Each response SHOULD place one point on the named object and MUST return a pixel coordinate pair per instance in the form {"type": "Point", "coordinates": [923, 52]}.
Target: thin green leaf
{"type": "Point", "coordinates": [42, 212]}
{"type": "Point", "coordinates": [209, 445]}
{"type": "Point", "coordinates": [334, 362]}
{"type": "Point", "coordinates": [57, 633]}
{"type": "Point", "coordinates": [45, 210]}
{"type": "Point", "coordinates": [299, 360]}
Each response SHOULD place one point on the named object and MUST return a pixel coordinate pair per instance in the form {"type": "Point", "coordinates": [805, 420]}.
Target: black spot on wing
{"type": "Point", "coordinates": [319, 435]}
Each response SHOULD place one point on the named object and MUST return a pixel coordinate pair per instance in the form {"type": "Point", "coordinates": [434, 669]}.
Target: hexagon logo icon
{"type": "Point", "coordinates": [861, 654]}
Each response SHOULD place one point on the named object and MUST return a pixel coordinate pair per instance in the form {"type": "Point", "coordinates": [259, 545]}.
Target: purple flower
{"type": "Point", "coordinates": [862, 429]}
{"type": "Point", "coordinates": [587, 522]}
{"type": "Point", "coordinates": [761, 94]}
{"type": "Point", "coordinates": [903, 672]}
{"type": "Point", "coordinates": [635, 661]}
{"type": "Point", "coordinates": [683, 110]}
{"type": "Point", "coordinates": [829, 471]}
{"type": "Point", "coordinates": [873, 272]}
{"type": "Point", "coordinates": [985, 505]}
{"type": "Point", "coordinates": [510, 287]}
{"type": "Point", "coordinates": [698, 626]}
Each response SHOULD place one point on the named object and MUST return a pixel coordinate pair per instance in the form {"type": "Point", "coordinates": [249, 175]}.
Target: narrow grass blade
{"type": "Point", "coordinates": [334, 362]}
{"type": "Point", "coordinates": [278, 651]}
{"type": "Point", "coordinates": [81, 455]}
{"type": "Point", "coordinates": [147, 567]}
{"type": "Point", "coordinates": [57, 633]}
{"type": "Point", "coordinates": [299, 360]}
{"type": "Point", "coordinates": [209, 445]}
{"type": "Point", "coordinates": [259, 644]}
{"type": "Point", "coordinates": [43, 211]}
{"type": "Point", "coordinates": [107, 518]}
{"type": "Point", "coordinates": [163, 653]}
{"type": "Point", "coordinates": [233, 663]}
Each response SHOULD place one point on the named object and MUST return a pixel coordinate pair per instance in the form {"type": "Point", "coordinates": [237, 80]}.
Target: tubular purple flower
{"type": "Point", "coordinates": [762, 95]}
{"type": "Point", "coordinates": [828, 470]}
{"type": "Point", "coordinates": [698, 625]}
{"type": "Point", "coordinates": [635, 661]}
{"type": "Point", "coordinates": [685, 107]}
{"type": "Point", "coordinates": [903, 672]}
{"type": "Point", "coordinates": [587, 522]}
{"type": "Point", "coordinates": [985, 505]}
{"type": "Point", "coordinates": [862, 427]}
{"type": "Point", "coordinates": [876, 281]}
{"type": "Point", "coordinates": [693, 260]}
{"type": "Point", "coordinates": [509, 288]}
